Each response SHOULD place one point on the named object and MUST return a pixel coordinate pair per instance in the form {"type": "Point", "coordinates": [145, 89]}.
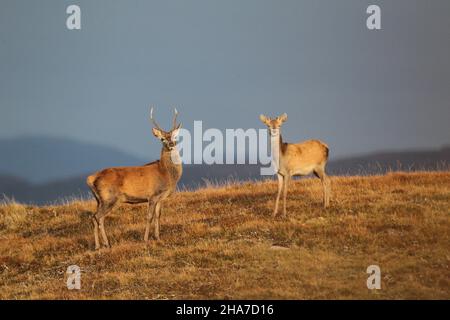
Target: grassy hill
{"type": "Point", "coordinates": [221, 242]}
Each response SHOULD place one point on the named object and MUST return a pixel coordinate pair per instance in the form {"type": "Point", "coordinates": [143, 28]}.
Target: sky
{"type": "Point", "coordinates": [226, 62]}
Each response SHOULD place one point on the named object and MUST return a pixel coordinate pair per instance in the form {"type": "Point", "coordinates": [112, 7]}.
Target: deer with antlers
{"type": "Point", "coordinates": [296, 159]}
{"type": "Point", "coordinates": [151, 183]}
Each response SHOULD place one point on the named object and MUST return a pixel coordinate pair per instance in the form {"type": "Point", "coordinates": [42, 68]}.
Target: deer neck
{"type": "Point", "coordinates": [170, 163]}
{"type": "Point", "coordinates": [278, 146]}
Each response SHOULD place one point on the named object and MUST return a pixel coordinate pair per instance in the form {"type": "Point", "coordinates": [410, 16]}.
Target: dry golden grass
{"type": "Point", "coordinates": [223, 243]}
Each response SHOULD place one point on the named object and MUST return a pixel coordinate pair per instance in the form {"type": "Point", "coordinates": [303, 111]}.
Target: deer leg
{"type": "Point", "coordinates": [285, 187]}
{"type": "Point", "coordinates": [150, 215]}
{"type": "Point", "coordinates": [103, 210]}
{"type": "Point", "coordinates": [102, 230]}
{"type": "Point", "coordinates": [97, 241]}
{"type": "Point", "coordinates": [98, 224]}
{"type": "Point", "coordinates": [280, 187]}
{"type": "Point", "coordinates": [157, 215]}
{"type": "Point", "coordinates": [320, 173]}
{"type": "Point", "coordinates": [327, 190]}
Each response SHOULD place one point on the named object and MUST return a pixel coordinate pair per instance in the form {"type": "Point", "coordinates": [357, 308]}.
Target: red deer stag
{"type": "Point", "coordinates": [150, 183]}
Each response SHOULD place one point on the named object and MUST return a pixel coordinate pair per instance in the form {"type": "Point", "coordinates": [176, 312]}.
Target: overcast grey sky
{"type": "Point", "coordinates": [225, 62]}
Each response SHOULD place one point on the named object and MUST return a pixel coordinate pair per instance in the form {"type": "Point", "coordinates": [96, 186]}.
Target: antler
{"type": "Point", "coordinates": [153, 120]}
{"type": "Point", "coordinates": [175, 118]}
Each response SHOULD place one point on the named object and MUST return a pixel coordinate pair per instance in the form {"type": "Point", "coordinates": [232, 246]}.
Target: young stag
{"type": "Point", "coordinates": [297, 159]}
{"type": "Point", "coordinates": [150, 183]}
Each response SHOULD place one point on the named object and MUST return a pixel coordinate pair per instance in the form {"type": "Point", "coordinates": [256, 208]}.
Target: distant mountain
{"type": "Point", "coordinates": [11, 185]}
{"type": "Point", "coordinates": [381, 162]}
{"type": "Point", "coordinates": [194, 176]}
{"type": "Point", "coordinates": [44, 159]}
{"type": "Point", "coordinates": [57, 168]}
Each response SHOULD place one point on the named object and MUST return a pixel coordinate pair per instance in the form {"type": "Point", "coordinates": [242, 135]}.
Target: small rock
{"type": "Point", "coordinates": [274, 247]}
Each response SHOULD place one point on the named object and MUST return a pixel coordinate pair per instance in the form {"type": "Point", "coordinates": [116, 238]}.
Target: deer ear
{"type": "Point", "coordinates": [263, 119]}
{"type": "Point", "coordinates": [176, 132]}
{"type": "Point", "coordinates": [156, 133]}
{"type": "Point", "coordinates": [283, 117]}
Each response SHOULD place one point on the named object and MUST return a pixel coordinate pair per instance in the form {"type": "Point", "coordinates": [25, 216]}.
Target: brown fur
{"type": "Point", "coordinates": [298, 159]}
